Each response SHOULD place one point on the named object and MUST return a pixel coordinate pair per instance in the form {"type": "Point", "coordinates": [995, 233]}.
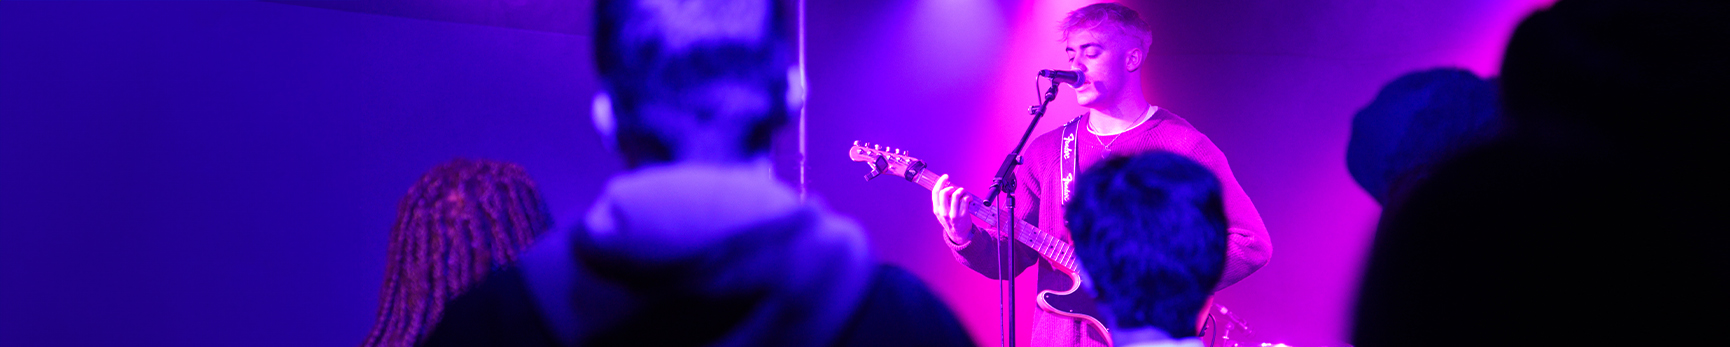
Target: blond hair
{"type": "Point", "coordinates": [1125, 19]}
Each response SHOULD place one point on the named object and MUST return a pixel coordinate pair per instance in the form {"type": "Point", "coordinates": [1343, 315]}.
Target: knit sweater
{"type": "Point", "coordinates": [1039, 203]}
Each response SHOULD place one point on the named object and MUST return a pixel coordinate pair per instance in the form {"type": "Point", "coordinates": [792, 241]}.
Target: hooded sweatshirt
{"type": "Point", "coordinates": [700, 255]}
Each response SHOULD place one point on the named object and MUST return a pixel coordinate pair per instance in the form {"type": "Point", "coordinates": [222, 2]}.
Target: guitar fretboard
{"type": "Point", "coordinates": [1059, 252]}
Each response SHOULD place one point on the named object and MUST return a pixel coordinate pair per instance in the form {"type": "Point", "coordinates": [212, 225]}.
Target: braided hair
{"type": "Point", "coordinates": [462, 219]}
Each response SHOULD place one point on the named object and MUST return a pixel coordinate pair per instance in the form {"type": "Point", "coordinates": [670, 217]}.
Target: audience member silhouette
{"type": "Point", "coordinates": [1150, 230]}
{"type": "Point", "coordinates": [461, 220]}
{"type": "Point", "coordinates": [697, 243]}
{"type": "Point", "coordinates": [1417, 122]}
{"type": "Point", "coordinates": [1591, 220]}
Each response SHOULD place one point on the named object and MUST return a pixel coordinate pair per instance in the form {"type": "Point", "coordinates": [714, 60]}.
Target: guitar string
{"type": "Point", "coordinates": [1047, 244]}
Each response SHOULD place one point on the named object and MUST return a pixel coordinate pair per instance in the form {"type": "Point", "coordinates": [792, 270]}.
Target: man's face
{"type": "Point", "coordinates": [1100, 53]}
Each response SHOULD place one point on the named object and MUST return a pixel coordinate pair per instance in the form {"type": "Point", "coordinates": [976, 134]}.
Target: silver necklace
{"type": "Point", "coordinates": [1118, 135]}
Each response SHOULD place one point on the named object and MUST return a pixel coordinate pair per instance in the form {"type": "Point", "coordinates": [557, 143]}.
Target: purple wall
{"type": "Point", "coordinates": [1273, 83]}
{"type": "Point", "coordinates": [226, 173]}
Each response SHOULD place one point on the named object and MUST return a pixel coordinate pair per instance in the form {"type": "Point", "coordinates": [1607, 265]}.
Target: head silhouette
{"type": "Point", "coordinates": [1150, 230]}
{"type": "Point", "coordinates": [461, 220]}
{"type": "Point", "coordinates": [690, 80]}
{"type": "Point", "coordinates": [1418, 121]}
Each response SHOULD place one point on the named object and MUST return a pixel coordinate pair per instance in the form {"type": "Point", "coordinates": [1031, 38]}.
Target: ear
{"type": "Point", "coordinates": [1133, 58]}
{"type": "Point", "coordinates": [795, 88]}
{"type": "Point", "coordinates": [605, 124]}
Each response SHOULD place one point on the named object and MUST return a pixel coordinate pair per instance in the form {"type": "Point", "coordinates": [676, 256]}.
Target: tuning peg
{"type": "Point", "coordinates": [877, 147]}
{"type": "Point", "coordinates": [855, 142]}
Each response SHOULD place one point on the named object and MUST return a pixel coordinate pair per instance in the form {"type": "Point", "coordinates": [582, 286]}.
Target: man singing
{"type": "Point", "coordinates": [1107, 44]}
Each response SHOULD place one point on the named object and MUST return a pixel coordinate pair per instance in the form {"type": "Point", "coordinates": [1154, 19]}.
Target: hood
{"type": "Point", "coordinates": [725, 255]}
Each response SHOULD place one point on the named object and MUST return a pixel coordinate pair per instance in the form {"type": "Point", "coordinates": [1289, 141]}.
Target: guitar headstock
{"type": "Point", "coordinates": [883, 159]}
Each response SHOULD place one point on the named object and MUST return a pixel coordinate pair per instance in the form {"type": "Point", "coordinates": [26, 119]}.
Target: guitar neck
{"type": "Point", "coordinates": [1059, 252]}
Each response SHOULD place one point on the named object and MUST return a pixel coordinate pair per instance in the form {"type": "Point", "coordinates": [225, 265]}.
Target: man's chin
{"type": "Point", "coordinates": [1087, 102]}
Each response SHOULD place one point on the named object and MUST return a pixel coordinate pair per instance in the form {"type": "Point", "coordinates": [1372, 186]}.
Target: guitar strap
{"type": "Point", "coordinates": [1070, 159]}
{"type": "Point", "coordinates": [1068, 165]}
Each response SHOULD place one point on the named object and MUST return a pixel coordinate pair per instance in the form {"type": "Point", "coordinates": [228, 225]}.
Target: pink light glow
{"type": "Point", "coordinates": [1273, 84]}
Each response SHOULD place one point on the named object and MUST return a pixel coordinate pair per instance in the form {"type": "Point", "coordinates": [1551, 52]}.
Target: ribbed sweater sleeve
{"type": "Point", "coordinates": [1250, 248]}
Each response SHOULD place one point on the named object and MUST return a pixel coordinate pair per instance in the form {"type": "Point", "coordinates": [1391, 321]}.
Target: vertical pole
{"type": "Point", "coordinates": [802, 106]}
{"type": "Point", "coordinates": [1008, 226]}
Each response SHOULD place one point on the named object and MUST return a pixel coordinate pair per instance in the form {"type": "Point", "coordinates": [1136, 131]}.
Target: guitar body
{"type": "Point", "coordinates": [1073, 302]}
{"type": "Point", "coordinates": [1065, 295]}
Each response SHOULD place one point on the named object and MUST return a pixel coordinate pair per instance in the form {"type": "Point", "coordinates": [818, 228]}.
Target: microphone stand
{"type": "Point", "coordinates": [1005, 183]}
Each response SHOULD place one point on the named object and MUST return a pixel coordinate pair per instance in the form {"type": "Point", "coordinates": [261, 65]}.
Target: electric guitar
{"type": "Point", "coordinates": [1067, 300]}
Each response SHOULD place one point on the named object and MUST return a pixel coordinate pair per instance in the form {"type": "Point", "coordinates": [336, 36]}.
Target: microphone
{"type": "Point", "coordinates": [1074, 79]}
